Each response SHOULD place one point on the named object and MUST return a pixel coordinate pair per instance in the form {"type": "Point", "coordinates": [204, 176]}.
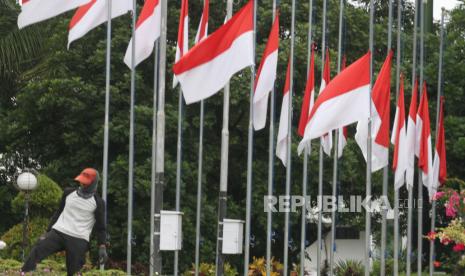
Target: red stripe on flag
{"type": "Point", "coordinates": [381, 96]}
{"type": "Point", "coordinates": [400, 122]}
{"type": "Point", "coordinates": [271, 46]}
{"type": "Point", "coordinates": [204, 22]}
{"type": "Point", "coordinates": [423, 112]}
{"type": "Point", "coordinates": [147, 11]}
{"type": "Point", "coordinates": [218, 42]}
{"type": "Point", "coordinates": [288, 78]}
{"type": "Point", "coordinates": [182, 17]}
{"type": "Point", "coordinates": [80, 13]}
{"type": "Point", "coordinates": [344, 82]}
{"type": "Point", "coordinates": [309, 87]}
{"type": "Point", "coordinates": [441, 145]}
{"type": "Point", "coordinates": [413, 102]}
{"type": "Point", "coordinates": [327, 69]}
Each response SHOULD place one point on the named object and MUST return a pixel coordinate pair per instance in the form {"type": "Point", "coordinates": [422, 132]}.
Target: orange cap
{"type": "Point", "coordinates": [87, 176]}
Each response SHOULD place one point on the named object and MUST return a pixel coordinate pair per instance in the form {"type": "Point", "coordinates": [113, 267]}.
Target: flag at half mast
{"type": "Point", "coordinates": [209, 65]}
{"type": "Point", "coordinates": [343, 102]}
{"type": "Point", "coordinates": [266, 76]}
{"type": "Point", "coordinates": [399, 139]}
{"type": "Point", "coordinates": [34, 11]}
{"type": "Point", "coordinates": [380, 119]}
{"type": "Point", "coordinates": [148, 29]}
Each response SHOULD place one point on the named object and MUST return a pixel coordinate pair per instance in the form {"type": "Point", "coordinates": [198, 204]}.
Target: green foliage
{"type": "Point", "coordinates": [52, 267]}
{"type": "Point", "coordinates": [43, 201]}
{"type": "Point", "coordinates": [389, 268]}
{"type": "Point", "coordinates": [14, 237]}
{"type": "Point", "coordinates": [9, 264]}
{"type": "Point", "coordinates": [349, 268]}
{"type": "Point", "coordinates": [206, 269]}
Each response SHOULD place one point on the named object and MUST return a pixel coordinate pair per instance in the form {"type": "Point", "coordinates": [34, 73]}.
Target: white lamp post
{"type": "Point", "coordinates": [26, 182]}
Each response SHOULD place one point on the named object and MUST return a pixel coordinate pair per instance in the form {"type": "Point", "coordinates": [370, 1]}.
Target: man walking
{"type": "Point", "coordinates": [70, 227]}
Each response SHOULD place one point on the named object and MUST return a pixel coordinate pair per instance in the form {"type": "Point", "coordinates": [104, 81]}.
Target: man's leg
{"type": "Point", "coordinates": [75, 254]}
{"type": "Point", "coordinates": [42, 249]}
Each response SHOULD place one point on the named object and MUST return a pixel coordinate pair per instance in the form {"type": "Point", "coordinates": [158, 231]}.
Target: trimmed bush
{"type": "Point", "coordinates": [43, 201]}
{"type": "Point", "coordinates": [14, 238]}
{"type": "Point", "coordinates": [51, 267]}
{"type": "Point", "coordinates": [206, 269]}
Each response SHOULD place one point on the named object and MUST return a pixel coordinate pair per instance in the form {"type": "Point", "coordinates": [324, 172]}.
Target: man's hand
{"type": "Point", "coordinates": [102, 254]}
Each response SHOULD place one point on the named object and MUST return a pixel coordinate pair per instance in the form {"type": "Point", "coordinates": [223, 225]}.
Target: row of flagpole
{"type": "Point", "coordinates": [438, 105]}
{"type": "Point", "coordinates": [303, 221]}
{"type": "Point", "coordinates": [368, 247]}
{"type": "Point", "coordinates": [271, 148]}
{"type": "Point", "coordinates": [396, 191]}
{"type": "Point", "coordinates": [386, 168]}
{"type": "Point", "coordinates": [159, 134]}
{"type": "Point", "coordinates": [336, 151]}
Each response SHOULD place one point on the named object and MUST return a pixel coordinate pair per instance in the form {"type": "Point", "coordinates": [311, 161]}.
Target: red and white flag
{"type": "Point", "coordinates": [411, 137]}
{"type": "Point", "coordinates": [342, 141]}
{"type": "Point", "coordinates": [425, 159]}
{"type": "Point", "coordinates": [342, 134]}
{"type": "Point", "coordinates": [439, 164]}
{"type": "Point", "coordinates": [399, 139]}
{"type": "Point", "coordinates": [309, 95]}
{"type": "Point", "coordinates": [282, 142]}
{"type": "Point", "coordinates": [343, 102]}
{"type": "Point", "coordinates": [210, 64]}
{"type": "Point", "coordinates": [327, 138]}
{"type": "Point", "coordinates": [148, 29]}
{"type": "Point", "coordinates": [34, 11]}
{"type": "Point", "coordinates": [93, 14]}
{"type": "Point", "coordinates": [379, 120]}
{"type": "Point", "coordinates": [183, 35]}
{"type": "Point", "coordinates": [202, 31]}
{"type": "Point", "coordinates": [266, 76]}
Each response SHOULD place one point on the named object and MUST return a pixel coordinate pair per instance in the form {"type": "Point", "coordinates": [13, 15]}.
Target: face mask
{"type": "Point", "coordinates": [88, 191]}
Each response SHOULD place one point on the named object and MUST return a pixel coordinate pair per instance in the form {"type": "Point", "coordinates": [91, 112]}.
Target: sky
{"type": "Point", "coordinates": [438, 4]}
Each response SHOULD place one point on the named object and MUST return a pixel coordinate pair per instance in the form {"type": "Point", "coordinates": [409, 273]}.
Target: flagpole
{"type": "Point", "coordinates": [289, 141]}
{"type": "Point", "coordinates": [154, 156]}
{"type": "Point", "coordinates": [433, 208]}
{"type": "Point", "coordinates": [368, 177]}
{"type": "Point", "coordinates": [178, 168]}
{"type": "Point", "coordinates": [270, 169]}
{"type": "Point", "coordinates": [107, 114]}
{"type": "Point", "coordinates": [199, 183]}
{"type": "Point", "coordinates": [420, 182]}
{"type": "Point", "coordinates": [160, 138]}
{"type": "Point", "coordinates": [396, 191]}
{"type": "Point", "coordinates": [131, 141]}
{"type": "Point", "coordinates": [335, 161]}
{"type": "Point", "coordinates": [199, 191]}
{"type": "Point", "coordinates": [320, 162]}
{"type": "Point", "coordinates": [410, 191]}
{"type": "Point", "coordinates": [386, 168]}
{"type": "Point", "coordinates": [248, 208]}
{"type": "Point", "coordinates": [222, 199]}
{"type": "Point", "coordinates": [306, 152]}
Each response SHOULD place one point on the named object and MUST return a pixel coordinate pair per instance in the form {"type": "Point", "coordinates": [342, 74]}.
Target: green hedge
{"type": "Point", "coordinates": [43, 201]}
{"type": "Point", "coordinates": [51, 267]}
{"type": "Point", "coordinates": [14, 238]}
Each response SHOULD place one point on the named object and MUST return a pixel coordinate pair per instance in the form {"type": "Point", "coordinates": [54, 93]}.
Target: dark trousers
{"type": "Point", "coordinates": [53, 242]}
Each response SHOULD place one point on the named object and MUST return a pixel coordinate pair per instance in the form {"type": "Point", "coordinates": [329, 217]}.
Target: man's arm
{"type": "Point", "coordinates": [57, 213]}
{"type": "Point", "coordinates": [100, 221]}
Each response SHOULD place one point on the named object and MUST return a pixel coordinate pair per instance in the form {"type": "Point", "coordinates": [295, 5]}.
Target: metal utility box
{"type": "Point", "coordinates": [170, 230]}
{"type": "Point", "coordinates": [233, 236]}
